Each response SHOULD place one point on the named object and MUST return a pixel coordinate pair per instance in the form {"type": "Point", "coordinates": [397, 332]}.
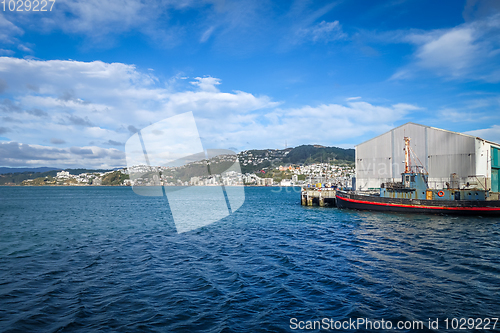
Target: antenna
{"type": "Point", "coordinates": [407, 155]}
{"type": "Point", "coordinates": [408, 164]}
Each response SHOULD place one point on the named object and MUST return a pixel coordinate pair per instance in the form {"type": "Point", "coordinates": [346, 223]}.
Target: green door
{"type": "Point", "coordinates": [495, 181]}
{"type": "Point", "coordinates": [495, 167]}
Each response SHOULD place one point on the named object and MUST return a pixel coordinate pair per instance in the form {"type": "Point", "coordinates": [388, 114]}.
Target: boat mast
{"type": "Point", "coordinates": [407, 155]}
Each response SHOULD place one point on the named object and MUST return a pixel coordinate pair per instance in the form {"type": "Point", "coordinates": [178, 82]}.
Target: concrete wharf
{"type": "Point", "coordinates": [311, 196]}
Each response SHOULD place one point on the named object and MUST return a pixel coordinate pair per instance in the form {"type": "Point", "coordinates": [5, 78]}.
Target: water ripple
{"type": "Point", "coordinates": [104, 259]}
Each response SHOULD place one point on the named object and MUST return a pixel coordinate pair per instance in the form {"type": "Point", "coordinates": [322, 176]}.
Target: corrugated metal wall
{"type": "Point", "coordinates": [418, 143]}
{"type": "Point", "coordinates": [440, 152]}
{"type": "Point", "coordinates": [373, 161]}
{"type": "Point", "coordinates": [450, 153]}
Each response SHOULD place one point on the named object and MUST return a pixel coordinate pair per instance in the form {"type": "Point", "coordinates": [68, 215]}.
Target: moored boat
{"type": "Point", "coordinates": [413, 195]}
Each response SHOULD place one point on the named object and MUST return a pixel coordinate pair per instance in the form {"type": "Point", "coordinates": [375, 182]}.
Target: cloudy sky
{"type": "Point", "coordinates": [76, 82]}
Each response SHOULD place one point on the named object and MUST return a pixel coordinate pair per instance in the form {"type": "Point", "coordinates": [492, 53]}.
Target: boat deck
{"type": "Point", "coordinates": [367, 202]}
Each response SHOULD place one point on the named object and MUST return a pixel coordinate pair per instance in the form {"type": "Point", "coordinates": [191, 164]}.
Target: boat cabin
{"type": "Point", "coordinates": [414, 186]}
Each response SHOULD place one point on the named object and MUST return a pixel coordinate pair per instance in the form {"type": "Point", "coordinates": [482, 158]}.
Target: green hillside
{"type": "Point", "coordinates": [309, 154]}
{"type": "Point", "coordinates": [255, 160]}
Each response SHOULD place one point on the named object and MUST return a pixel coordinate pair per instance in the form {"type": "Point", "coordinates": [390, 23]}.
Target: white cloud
{"type": "Point", "coordinates": [102, 16]}
{"type": "Point", "coordinates": [206, 35]}
{"type": "Point", "coordinates": [6, 52]}
{"type": "Point", "coordinates": [8, 30]}
{"type": "Point", "coordinates": [9, 37]}
{"type": "Point", "coordinates": [474, 110]}
{"type": "Point", "coordinates": [468, 51]}
{"type": "Point", "coordinates": [492, 133]}
{"type": "Point", "coordinates": [453, 115]}
{"type": "Point", "coordinates": [100, 21]}
{"type": "Point", "coordinates": [241, 26]}
{"type": "Point", "coordinates": [333, 122]}
{"type": "Point", "coordinates": [24, 48]}
{"type": "Point", "coordinates": [454, 50]}
{"type": "Point", "coordinates": [91, 105]}
{"type": "Point", "coordinates": [83, 102]}
{"type": "Point", "coordinates": [216, 103]}
{"type": "Point", "coordinates": [18, 154]}
{"type": "Point", "coordinates": [322, 32]}
{"type": "Point", "coordinates": [50, 76]}
{"type": "Point", "coordinates": [206, 83]}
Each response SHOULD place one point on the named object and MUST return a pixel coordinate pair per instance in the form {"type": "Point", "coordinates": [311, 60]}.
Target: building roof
{"type": "Point", "coordinates": [434, 128]}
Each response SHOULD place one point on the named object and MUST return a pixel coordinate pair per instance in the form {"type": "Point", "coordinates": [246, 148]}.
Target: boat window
{"type": "Point", "coordinates": [407, 178]}
{"type": "Point", "coordinates": [412, 178]}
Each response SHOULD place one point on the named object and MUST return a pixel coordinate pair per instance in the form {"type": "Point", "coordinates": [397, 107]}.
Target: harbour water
{"type": "Point", "coordinates": [76, 259]}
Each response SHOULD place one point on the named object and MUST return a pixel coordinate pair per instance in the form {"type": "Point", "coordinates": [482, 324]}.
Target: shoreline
{"type": "Point", "coordinates": [14, 185]}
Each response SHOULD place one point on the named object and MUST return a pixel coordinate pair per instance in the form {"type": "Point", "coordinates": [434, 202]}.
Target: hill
{"type": "Point", "coordinates": [309, 154]}
{"type": "Point", "coordinates": [16, 178]}
{"type": "Point", "coordinates": [255, 160]}
{"type": "Point", "coordinates": [251, 161]}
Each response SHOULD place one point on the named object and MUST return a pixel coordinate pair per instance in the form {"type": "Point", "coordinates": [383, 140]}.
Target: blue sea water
{"type": "Point", "coordinates": [84, 259]}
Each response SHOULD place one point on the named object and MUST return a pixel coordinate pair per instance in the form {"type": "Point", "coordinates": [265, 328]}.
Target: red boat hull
{"type": "Point", "coordinates": [460, 207]}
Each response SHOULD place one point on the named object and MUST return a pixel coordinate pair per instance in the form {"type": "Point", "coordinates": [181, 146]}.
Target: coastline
{"type": "Point", "coordinates": [14, 185]}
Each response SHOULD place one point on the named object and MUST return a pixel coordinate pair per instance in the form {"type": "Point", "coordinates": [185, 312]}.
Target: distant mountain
{"type": "Point", "coordinates": [257, 159]}
{"type": "Point", "coordinates": [250, 161]}
{"type": "Point", "coordinates": [310, 154]}
{"type": "Point", "coordinates": [4, 170]}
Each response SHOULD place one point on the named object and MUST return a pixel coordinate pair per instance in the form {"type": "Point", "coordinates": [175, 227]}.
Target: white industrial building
{"type": "Point", "coordinates": [441, 153]}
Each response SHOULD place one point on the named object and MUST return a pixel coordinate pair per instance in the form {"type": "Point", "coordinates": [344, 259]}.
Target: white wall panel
{"type": "Point", "coordinates": [440, 152]}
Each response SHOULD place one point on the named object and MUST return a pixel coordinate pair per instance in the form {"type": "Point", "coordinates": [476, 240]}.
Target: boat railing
{"type": "Point", "coordinates": [367, 192]}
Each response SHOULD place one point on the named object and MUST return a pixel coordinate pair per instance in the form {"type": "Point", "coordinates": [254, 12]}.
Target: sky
{"type": "Point", "coordinates": [77, 81]}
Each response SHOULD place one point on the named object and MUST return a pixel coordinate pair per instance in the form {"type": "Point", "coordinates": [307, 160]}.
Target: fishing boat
{"type": "Point", "coordinates": [413, 195]}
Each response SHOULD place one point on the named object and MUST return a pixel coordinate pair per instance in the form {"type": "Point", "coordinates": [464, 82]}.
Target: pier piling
{"type": "Point", "coordinates": [322, 197]}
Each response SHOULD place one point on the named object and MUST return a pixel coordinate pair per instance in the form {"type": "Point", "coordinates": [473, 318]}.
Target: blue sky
{"type": "Point", "coordinates": [75, 82]}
